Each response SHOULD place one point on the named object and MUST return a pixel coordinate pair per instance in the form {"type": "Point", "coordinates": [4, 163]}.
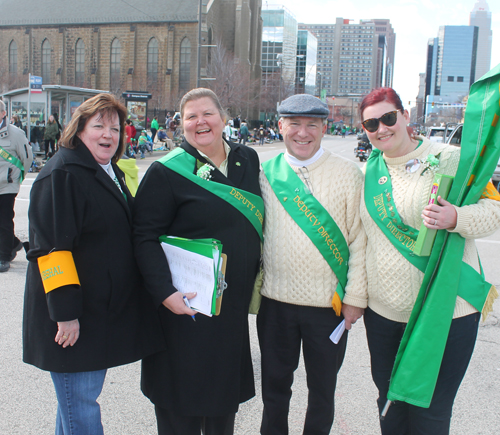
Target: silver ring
{"type": "Point", "coordinates": [435, 222]}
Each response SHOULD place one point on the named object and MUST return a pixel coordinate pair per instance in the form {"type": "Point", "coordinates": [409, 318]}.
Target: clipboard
{"type": "Point", "coordinates": [197, 265]}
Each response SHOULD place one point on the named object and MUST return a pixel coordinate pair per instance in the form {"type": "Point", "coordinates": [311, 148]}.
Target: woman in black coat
{"type": "Point", "coordinates": [206, 370]}
{"type": "Point", "coordinates": [85, 310]}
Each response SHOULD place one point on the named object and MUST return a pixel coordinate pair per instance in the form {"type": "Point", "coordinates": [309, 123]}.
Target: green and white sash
{"type": "Point", "coordinates": [13, 160]}
{"type": "Point", "coordinates": [312, 218]}
{"type": "Point", "coordinates": [382, 209]}
{"type": "Point", "coordinates": [248, 204]}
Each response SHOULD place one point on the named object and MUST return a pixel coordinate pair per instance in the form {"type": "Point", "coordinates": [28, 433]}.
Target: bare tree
{"type": "Point", "coordinates": [233, 84]}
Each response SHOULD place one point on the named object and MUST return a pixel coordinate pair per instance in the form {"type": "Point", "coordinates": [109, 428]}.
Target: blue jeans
{"type": "Point", "coordinates": [78, 412]}
{"type": "Point", "coordinates": [384, 337]}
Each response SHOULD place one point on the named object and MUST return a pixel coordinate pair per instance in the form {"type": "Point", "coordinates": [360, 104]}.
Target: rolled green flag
{"type": "Point", "coordinates": [419, 357]}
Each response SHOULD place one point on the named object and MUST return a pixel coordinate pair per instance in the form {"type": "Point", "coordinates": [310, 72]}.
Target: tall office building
{"type": "Point", "coordinates": [305, 74]}
{"type": "Point", "coordinates": [481, 17]}
{"type": "Point", "coordinates": [451, 66]}
{"type": "Point", "coordinates": [354, 58]}
{"type": "Point", "coordinates": [279, 51]}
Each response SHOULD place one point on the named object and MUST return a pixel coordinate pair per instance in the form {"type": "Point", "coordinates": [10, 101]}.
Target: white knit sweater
{"type": "Point", "coordinates": [393, 283]}
{"type": "Point", "coordinates": [294, 270]}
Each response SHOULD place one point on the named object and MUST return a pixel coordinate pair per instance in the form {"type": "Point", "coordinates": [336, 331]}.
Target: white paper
{"type": "Point", "coordinates": [337, 334]}
{"type": "Point", "coordinates": [192, 272]}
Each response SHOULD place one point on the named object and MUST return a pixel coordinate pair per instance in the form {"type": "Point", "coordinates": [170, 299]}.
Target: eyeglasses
{"type": "Point", "coordinates": [388, 119]}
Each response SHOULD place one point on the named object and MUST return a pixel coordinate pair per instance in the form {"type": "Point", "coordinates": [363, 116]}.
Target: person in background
{"type": "Point", "coordinates": [154, 128]}
{"type": "Point", "coordinates": [206, 370]}
{"type": "Point", "coordinates": [15, 161]}
{"type": "Point", "coordinates": [261, 134]}
{"type": "Point", "coordinates": [50, 136]}
{"type": "Point", "coordinates": [396, 172]}
{"type": "Point", "coordinates": [85, 309]}
{"type": "Point", "coordinates": [244, 132]}
{"type": "Point", "coordinates": [314, 249]}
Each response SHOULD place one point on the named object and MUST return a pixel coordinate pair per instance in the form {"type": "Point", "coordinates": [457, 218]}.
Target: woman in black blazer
{"type": "Point", "coordinates": [206, 370]}
{"type": "Point", "coordinates": [85, 309]}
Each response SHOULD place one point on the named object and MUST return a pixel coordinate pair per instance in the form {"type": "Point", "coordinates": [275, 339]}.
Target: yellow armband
{"type": "Point", "coordinates": [57, 269]}
{"type": "Point", "coordinates": [490, 192]}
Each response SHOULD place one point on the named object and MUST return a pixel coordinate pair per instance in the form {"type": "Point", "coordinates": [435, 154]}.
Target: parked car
{"type": "Point", "coordinates": [455, 138]}
{"type": "Point", "coordinates": [437, 134]}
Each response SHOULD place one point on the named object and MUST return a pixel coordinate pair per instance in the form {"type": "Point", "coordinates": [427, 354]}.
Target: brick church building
{"type": "Point", "coordinates": [115, 45]}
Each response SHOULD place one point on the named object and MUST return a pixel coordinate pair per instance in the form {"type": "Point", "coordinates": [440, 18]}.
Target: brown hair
{"type": "Point", "coordinates": [196, 94]}
{"type": "Point", "coordinates": [105, 105]}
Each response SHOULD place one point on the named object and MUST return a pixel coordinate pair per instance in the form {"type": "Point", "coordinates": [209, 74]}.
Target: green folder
{"type": "Point", "coordinates": [210, 248]}
{"type": "Point", "coordinates": [441, 186]}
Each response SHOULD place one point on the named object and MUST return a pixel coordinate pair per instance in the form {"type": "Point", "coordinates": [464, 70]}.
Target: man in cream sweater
{"type": "Point", "coordinates": [314, 251]}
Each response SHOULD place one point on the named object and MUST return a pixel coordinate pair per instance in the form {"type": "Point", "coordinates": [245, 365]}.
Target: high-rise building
{"type": "Point", "coordinates": [451, 66]}
{"type": "Point", "coordinates": [481, 18]}
{"type": "Point", "coordinates": [354, 58]}
{"type": "Point", "coordinates": [305, 74]}
{"type": "Point", "coordinates": [279, 52]}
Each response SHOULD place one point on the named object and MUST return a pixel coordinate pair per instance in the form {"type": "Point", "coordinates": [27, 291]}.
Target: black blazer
{"type": "Point", "coordinates": [207, 367]}
{"type": "Point", "coordinates": [76, 206]}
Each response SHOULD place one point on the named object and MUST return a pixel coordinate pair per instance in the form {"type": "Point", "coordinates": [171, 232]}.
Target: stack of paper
{"type": "Point", "coordinates": [195, 266]}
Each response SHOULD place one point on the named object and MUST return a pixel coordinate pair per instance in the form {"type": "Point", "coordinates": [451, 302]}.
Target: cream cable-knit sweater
{"type": "Point", "coordinates": [393, 283]}
{"type": "Point", "coordinates": [294, 270]}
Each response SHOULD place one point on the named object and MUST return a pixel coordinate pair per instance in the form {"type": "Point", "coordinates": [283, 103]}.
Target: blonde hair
{"type": "Point", "coordinates": [196, 94]}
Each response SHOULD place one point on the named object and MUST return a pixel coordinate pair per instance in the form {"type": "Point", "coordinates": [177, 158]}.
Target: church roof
{"type": "Point", "coordinates": [73, 12]}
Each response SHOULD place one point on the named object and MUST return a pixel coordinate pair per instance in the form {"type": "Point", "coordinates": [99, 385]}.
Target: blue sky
{"type": "Point", "coordinates": [414, 21]}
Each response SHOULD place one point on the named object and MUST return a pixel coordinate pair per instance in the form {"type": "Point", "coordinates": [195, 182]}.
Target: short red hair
{"type": "Point", "coordinates": [377, 96]}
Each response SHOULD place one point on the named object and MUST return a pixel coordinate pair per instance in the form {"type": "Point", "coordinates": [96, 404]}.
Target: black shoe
{"type": "Point", "coordinates": [18, 247]}
{"type": "Point", "coordinates": [4, 266]}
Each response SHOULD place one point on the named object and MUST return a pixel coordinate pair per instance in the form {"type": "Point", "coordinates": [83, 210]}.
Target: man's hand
{"type": "Point", "coordinates": [351, 315]}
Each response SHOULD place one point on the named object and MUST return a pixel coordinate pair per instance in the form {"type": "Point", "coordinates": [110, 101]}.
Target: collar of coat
{"type": "Point", "coordinates": [236, 165]}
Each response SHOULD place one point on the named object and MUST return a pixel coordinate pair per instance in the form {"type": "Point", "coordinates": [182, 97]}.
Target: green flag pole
{"type": "Point", "coordinates": [419, 357]}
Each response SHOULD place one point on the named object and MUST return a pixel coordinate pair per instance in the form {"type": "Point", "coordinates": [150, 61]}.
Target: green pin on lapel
{"type": "Point", "coordinates": [238, 164]}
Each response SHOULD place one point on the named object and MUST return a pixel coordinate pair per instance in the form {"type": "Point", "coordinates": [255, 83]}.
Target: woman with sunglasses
{"type": "Point", "coordinates": [398, 180]}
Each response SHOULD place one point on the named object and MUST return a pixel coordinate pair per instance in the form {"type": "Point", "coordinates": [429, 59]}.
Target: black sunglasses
{"type": "Point", "coordinates": [388, 119]}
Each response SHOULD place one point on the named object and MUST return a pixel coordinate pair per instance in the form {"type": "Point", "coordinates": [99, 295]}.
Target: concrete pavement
{"type": "Point", "coordinates": [28, 403]}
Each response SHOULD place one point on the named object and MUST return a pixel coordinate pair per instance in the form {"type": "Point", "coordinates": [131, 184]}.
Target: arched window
{"type": "Point", "coordinates": [80, 63]}
{"type": "Point", "coordinates": [115, 65]}
{"type": "Point", "coordinates": [46, 62]}
{"type": "Point", "coordinates": [185, 65]}
{"type": "Point", "coordinates": [152, 60]}
{"type": "Point", "coordinates": [13, 58]}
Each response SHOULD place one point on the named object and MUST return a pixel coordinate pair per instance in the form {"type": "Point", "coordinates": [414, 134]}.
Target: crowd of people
{"type": "Point", "coordinates": [308, 250]}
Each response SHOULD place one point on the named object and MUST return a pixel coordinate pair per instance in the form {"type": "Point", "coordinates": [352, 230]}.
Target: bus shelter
{"type": "Point", "coordinates": [61, 100]}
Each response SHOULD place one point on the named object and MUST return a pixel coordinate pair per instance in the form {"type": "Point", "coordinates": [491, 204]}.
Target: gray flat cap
{"type": "Point", "coordinates": [303, 105]}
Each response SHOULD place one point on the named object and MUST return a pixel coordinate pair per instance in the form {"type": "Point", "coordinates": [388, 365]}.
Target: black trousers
{"type": "Point", "coordinates": [49, 144]}
{"type": "Point", "coordinates": [384, 336]}
{"type": "Point", "coordinates": [153, 134]}
{"type": "Point", "coordinates": [7, 238]}
{"type": "Point", "coordinates": [171, 423]}
{"type": "Point", "coordinates": [282, 329]}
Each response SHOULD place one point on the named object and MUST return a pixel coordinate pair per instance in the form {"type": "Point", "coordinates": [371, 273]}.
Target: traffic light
{"type": "Point", "coordinates": [432, 104]}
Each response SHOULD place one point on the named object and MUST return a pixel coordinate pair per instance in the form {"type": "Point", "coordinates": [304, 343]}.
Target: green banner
{"type": "Point", "coordinates": [418, 361]}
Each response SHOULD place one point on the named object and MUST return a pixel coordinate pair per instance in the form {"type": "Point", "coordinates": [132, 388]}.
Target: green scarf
{"type": "Point", "coordinates": [248, 204]}
{"type": "Point", "coordinates": [12, 160]}
{"type": "Point", "coordinates": [312, 218]}
{"type": "Point", "coordinates": [380, 205]}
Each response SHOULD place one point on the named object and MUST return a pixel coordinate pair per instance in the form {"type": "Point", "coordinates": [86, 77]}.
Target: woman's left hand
{"type": "Point", "coordinates": [440, 217]}
{"type": "Point", "coordinates": [67, 333]}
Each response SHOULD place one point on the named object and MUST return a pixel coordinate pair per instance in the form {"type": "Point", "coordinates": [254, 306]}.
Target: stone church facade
{"type": "Point", "coordinates": [113, 46]}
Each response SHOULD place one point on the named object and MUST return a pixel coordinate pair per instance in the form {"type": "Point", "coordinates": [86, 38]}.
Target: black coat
{"type": "Point", "coordinates": [207, 367]}
{"type": "Point", "coordinates": [76, 206]}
